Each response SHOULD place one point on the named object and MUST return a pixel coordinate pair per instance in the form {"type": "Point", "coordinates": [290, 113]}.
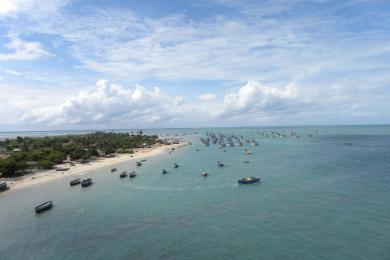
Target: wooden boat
{"type": "Point", "coordinates": [75, 182]}
{"type": "Point", "coordinates": [123, 175]}
{"type": "Point", "coordinates": [113, 169]}
{"type": "Point", "coordinates": [204, 174]}
{"type": "Point", "coordinates": [132, 175]}
{"type": "Point", "coordinates": [249, 180]}
{"type": "Point", "coordinates": [86, 182]}
{"type": "Point", "coordinates": [139, 164]}
{"type": "Point", "coordinates": [220, 164]}
{"type": "Point", "coordinates": [164, 171]}
{"type": "Point", "coordinates": [175, 165]}
{"type": "Point", "coordinates": [44, 206]}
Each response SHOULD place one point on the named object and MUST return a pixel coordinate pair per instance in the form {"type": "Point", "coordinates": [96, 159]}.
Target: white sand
{"type": "Point", "coordinates": [80, 169]}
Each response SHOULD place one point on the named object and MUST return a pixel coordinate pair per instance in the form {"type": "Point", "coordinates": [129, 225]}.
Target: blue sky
{"type": "Point", "coordinates": [77, 64]}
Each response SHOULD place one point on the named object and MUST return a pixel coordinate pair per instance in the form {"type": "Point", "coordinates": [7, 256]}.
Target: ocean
{"type": "Point", "coordinates": [325, 195]}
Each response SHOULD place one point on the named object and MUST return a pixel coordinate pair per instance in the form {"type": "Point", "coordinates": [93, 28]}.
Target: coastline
{"type": "Point", "coordinates": [79, 169]}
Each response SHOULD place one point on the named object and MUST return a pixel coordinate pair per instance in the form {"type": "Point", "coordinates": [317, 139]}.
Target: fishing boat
{"type": "Point", "coordinates": [123, 175]}
{"type": "Point", "coordinates": [3, 185]}
{"type": "Point", "coordinates": [220, 164]}
{"type": "Point", "coordinates": [75, 182]}
{"type": "Point", "coordinates": [113, 169]}
{"type": "Point", "coordinates": [249, 180]}
{"type": "Point", "coordinates": [86, 182]}
{"type": "Point", "coordinates": [164, 171]}
{"type": "Point", "coordinates": [139, 164]}
{"type": "Point", "coordinates": [204, 174]}
{"type": "Point", "coordinates": [132, 175]}
{"type": "Point", "coordinates": [175, 165]}
{"type": "Point", "coordinates": [44, 206]}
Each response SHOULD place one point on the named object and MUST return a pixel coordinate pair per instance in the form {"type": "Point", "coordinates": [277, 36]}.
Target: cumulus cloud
{"type": "Point", "coordinates": [23, 50]}
{"type": "Point", "coordinates": [109, 103]}
{"type": "Point", "coordinates": [259, 100]}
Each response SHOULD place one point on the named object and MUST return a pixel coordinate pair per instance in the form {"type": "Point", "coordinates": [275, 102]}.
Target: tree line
{"type": "Point", "coordinates": [23, 154]}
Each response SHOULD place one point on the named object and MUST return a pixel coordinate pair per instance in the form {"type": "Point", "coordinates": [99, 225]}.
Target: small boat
{"type": "Point", "coordinates": [113, 169]}
{"type": "Point", "coordinates": [75, 182]}
{"type": "Point", "coordinates": [246, 161]}
{"type": "Point", "coordinates": [3, 185]}
{"type": "Point", "coordinates": [139, 164]}
{"type": "Point", "coordinates": [132, 175]}
{"type": "Point", "coordinates": [144, 160]}
{"type": "Point", "coordinates": [164, 171]}
{"type": "Point", "coordinates": [204, 174]}
{"type": "Point", "coordinates": [220, 164]}
{"type": "Point", "coordinates": [86, 182]}
{"type": "Point", "coordinates": [62, 169]}
{"type": "Point", "coordinates": [123, 175]}
{"type": "Point", "coordinates": [44, 206]}
{"type": "Point", "coordinates": [175, 165]}
{"type": "Point", "coordinates": [249, 180]}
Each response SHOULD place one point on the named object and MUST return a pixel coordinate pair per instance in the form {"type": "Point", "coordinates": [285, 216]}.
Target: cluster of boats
{"type": "Point", "coordinates": [84, 183]}
{"type": "Point", "coordinates": [125, 174]}
{"type": "Point", "coordinates": [223, 140]}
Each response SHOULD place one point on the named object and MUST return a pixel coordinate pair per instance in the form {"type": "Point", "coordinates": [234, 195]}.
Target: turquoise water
{"type": "Point", "coordinates": [319, 199]}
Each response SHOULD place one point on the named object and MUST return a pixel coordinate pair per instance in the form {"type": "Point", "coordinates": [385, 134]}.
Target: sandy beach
{"type": "Point", "coordinates": [77, 169]}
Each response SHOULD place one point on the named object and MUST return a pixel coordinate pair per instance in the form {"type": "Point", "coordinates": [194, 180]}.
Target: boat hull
{"type": "Point", "coordinates": [44, 207]}
{"type": "Point", "coordinates": [86, 183]}
{"type": "Point", "coordinates": [75, 182]}
{"type": "Point", "coordinates": [249, 181]}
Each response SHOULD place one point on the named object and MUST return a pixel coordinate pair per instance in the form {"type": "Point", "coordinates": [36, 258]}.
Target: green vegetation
{"type": "Point", "coordinates": [26, 153]}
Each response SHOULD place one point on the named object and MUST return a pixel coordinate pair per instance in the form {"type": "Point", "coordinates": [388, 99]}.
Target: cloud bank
{"type": "Point", "coordinates": [112, 104]}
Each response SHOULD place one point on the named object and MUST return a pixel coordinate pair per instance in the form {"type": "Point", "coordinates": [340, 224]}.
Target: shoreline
{"type": "Point", "coordinates": [44, 176]}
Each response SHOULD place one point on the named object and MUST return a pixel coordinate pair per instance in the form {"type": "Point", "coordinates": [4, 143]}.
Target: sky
{"type": "Point", "coordinates": [83, 64]}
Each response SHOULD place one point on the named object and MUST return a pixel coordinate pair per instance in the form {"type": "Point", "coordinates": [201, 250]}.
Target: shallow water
{"type": "Point", "coordinates": [319, 199]}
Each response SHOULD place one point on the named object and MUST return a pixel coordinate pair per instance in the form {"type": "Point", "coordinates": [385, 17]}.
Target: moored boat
{"type": "Point", "coordinates": [44, 206]}
{"type": "Point", "coordinates": [249, 180]}
{"type": "Point", "coordinates": [164, 171]}
{"type": "Point", "coordinates": [132, 175]}
{"type": "Point", "coordinates": [86, 182]}
{"type": "Point", "coordinates": [75, 182]}
{"type": "Point", "coordinates": [220, 164]}
{"type": "Point", "coordinates": [123, 175]}
{"type": "Point", "coordinates": [175, 165]}
{"type": "Point", "coordinates": [204, 174]}
{"type": "Point", "coordinates": [3, 185]}
{"type": "Point", "coordinates": [139, 164]}
{"type": "Point", "coordinates": [113, 169]}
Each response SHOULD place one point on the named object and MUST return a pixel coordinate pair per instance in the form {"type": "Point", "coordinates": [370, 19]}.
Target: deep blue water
{"type": "Point", "coordinates": [319, 199]}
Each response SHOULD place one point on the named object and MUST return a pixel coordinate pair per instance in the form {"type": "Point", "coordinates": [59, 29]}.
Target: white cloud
{"type": "Point", "coordinates": [30, 7]}
{"type": "Point", "coordinates": [110, 103]}
{"type": "Point", "coordinates": [207, 97]}
{"type": "Point", "coordinates": [23, 50]}
{"type": "Point", "coordinates": [258, 100]}
{"type": "Point", "coordinates": [7, 7]}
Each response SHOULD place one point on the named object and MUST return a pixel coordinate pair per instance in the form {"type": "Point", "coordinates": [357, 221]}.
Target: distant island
{"type": "Point", "coordinates": [23, 155]}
